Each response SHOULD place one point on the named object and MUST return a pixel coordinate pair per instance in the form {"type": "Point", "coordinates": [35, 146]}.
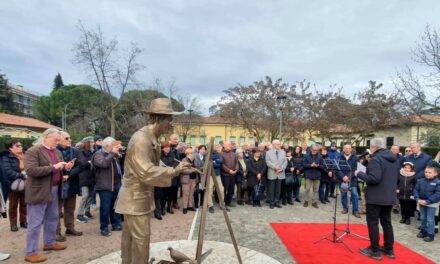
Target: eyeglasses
{"type": "Point", "coordinates": [407, 150]}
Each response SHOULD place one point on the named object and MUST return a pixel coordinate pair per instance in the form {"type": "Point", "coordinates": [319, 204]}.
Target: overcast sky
{"type": "Point", "coordinates": [209, 46]}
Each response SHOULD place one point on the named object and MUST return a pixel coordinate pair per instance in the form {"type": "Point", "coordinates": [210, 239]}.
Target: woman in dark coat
{"type": "Point", "coordinates": [326, 179]}
{"type": "Point", "coordinates": [257, 171]}
{"type": "Point", "coordinates": [287, 186]}
{"type": "Point", "coordinates": [297, 160]}
{"type": "Point", "coordinates": [169, 159]}
{"type": "Point", "coordinates": [86, 179]}
{"type": "Point", "coordinates": [241, 177]}
{"type": "Point", "coordinates": [13, 168]}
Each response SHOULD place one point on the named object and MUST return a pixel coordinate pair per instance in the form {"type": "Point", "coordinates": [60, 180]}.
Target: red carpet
{"type": "Point", "coordinates": [299, 240]}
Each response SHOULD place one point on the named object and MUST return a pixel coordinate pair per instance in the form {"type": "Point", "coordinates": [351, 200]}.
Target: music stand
{"type": "Point", "coordinates": [339, 165]}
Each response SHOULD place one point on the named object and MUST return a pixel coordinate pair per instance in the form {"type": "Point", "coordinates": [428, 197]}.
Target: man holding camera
{"type": "Point", "coordinates": [142, 174]}
{"type": "Point", "coordinates": [381, 179]}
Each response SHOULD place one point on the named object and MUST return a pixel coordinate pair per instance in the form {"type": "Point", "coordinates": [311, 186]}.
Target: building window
{"type": "Point", "coordinates": [181, 138]}
{"type": "Point", "coordinates": [192, 141]}
{"type": "Point", "coordinates": [217, 140]}
{"type": "Point", "coordinates": [232, 139]}
{"type": "Point", "coordinates": [251, 140]}
{"type": "Point", "coordinates": [368, 142]}
{"type": "Point", "coordinates": [390, 141]}
{"type": "Point", "coordinates": [203, 140]}
{"type": "Point", "coordinates": [242, 140]}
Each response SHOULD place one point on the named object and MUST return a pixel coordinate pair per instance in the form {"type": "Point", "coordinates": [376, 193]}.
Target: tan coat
{"type": "Point", "coordinates": [141, 174]}
{"type": "Point", "coordinates": [39, 170]}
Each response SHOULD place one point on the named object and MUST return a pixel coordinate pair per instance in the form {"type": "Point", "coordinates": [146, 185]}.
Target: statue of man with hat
{"type": "Point", "coordinates": [142, 173]}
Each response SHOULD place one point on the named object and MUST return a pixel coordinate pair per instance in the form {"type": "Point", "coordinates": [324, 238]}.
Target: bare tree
{"type": "Point", "coordinates": [255, 107]}
{"type": "Point", "coordinates": [112, 72]}
{"type": "Point", "coordinates": [420, 94]}
{"type": "Point", "coordinates": [192, 111]}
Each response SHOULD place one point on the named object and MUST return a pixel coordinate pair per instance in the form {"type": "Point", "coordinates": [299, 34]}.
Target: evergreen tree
{"type": "Point", "coordinates": [7, 104]}
{"type": "Point", "coordinates": [58, 82]}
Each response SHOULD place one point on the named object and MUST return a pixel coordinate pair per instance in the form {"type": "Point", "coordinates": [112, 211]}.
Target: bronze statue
{"type": "Point", "coordinates": [142, 173]}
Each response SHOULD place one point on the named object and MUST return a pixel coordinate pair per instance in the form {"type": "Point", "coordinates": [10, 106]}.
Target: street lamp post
{"type": "Point", "coordinates": [64, 117]}
{"type": "Point", "coordinates": [190, 123]}
{"type": "Point", "coordinates": [280, 100]}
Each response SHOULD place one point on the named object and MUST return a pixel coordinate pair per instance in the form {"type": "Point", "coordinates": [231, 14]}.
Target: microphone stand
{"type": "Point", "coordinates": [334, 165]}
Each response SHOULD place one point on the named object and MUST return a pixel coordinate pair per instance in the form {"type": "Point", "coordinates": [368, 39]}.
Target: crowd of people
{"type": "Point", "coordinates": [43, 183]}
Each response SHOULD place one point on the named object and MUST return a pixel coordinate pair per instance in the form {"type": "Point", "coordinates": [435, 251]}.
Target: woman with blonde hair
{"type": "Point", "coordinates": [188, 180]}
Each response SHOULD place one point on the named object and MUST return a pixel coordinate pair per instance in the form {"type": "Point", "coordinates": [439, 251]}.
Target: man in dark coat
{"type": "Point", "coordinates": [67, 204]}
{"type": "Point", "coordinates": [419, 158]}
{"type": "Point", "coordinates": [381, 179]}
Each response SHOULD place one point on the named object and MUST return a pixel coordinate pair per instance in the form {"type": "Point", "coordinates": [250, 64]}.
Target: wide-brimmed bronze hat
{"type": "Point", "coordinates": [161, 106]}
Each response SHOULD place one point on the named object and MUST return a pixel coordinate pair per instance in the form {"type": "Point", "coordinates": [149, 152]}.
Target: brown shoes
{"type": "Point", "coordinates": [345, 211]}
{"type": "Point", "coordinates": [73, 232]}
{"type": "Point", "coordinates": [60, 238]}
{"type": "Point", "coordinates": [55, 246]}
{"type": "Point", "coordinates": [35, 258]}
{"type": "Point", "coordinates": [315, 205]}
{"type": "Point", "coordinates": [357, 215]}
{"type": "Point", "coordinates": [363, 212]}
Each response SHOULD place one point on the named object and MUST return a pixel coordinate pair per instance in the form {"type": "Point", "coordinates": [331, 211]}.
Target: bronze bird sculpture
{"type": "Point", "coordinates": [178, 256]}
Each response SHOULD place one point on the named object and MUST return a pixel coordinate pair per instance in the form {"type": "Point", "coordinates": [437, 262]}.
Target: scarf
{"type": "Point", "coordinates": [243, 164]}
{"type": "Point", "coordinates": [405, 173]}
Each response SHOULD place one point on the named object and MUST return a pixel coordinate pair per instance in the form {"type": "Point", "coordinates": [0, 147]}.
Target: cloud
{"type": "Point", "coordinates": [210, 46]}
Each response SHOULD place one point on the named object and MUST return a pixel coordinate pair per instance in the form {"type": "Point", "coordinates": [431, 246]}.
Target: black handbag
{"type": "Point", "coordinates": [259, 191]}
{"type": "Point", "coordinates": [244, 183]}
{"type": "Point", "coordinates": [289, 179]}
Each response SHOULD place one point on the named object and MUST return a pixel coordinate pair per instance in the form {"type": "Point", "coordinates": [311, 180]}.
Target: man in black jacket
{"type": "Point", "coordinates": [381, 179]}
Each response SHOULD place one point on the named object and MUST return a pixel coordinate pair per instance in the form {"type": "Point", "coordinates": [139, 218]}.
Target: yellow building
{"type": "Point", "coordinates": [21, 127]}
{"type": "Point", "coordinates": [203, 128]}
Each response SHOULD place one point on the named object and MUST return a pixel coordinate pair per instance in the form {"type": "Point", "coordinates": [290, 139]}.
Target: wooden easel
{"type": "Point", "coordinates": [208, 175]}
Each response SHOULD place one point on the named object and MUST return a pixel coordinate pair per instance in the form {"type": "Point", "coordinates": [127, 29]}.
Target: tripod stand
{"type": "Point", "coordinates": [341, 165]}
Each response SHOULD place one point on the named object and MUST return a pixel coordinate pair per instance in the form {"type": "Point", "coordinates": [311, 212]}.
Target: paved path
{"type": "Point", "coordinates": [92, 245]}
{"type": "Point", "coordinates": [251, 226]}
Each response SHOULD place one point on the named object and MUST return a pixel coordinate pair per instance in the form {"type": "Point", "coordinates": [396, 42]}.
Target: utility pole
{"type": "Point", "coordinates": [190, 124]}
{"type": "Point", "coordinates": [280, 100]}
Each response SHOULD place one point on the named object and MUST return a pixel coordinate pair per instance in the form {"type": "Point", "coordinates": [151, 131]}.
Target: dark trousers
{"type": "Point", "coordinates": [229, 186]}
{"type": "Point", "coordinates": [67, 206]}
{"type": "Point", "coordinates": [407, 208]}
{"type": "Point", "coordinates": [286, 191]}
{"type": "Point", "coordinates": [382, 213]}
{"type": "Point", "coordinates": [198, 198]}
{"type": "Point", "coordinates": [167, 197]}
{"type": "Point", "coordinates": [333, 187]}
{"type": "Point", "coordinates": [158, 198]}
{"type": "Point", "coordinates": [324, 191]}
{"type": "Point", "coordinates": [297, 186]}
{"type": "Point", "coordinates": [107, 212]}
{"type": "Point", "coordinates": [274, 190]}
{"type": "Point", "coordinates": [16, 200]}
{"type": "Point", "coordinates": [175, 191]}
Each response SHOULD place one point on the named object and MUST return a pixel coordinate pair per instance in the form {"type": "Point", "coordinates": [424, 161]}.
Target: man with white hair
{"type": "Point", "coordinates": [381, 179]}
{"type": "Point", "coordinates": [229, 171]}
{"type": "Point", "coordinates": [108, 182]}
{"type": "Point", "coordinates": [44, 165]}
{"type": "Point", "coordinates": [276, 164]}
